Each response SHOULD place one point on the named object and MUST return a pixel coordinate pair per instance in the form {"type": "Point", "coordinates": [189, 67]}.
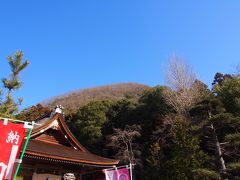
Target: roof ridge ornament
{"type": "Point", "coordinates": [59, 109]}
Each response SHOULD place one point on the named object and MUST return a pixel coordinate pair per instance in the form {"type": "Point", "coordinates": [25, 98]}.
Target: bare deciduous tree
{"type": "Point", "coordinates": [185, 89]}
{"type": "Point", "coordinates": [179, 75]}
{"type": "Point", "coordinates": [122, 141]}
{"type": "Point", "coordinates": [237, 73]}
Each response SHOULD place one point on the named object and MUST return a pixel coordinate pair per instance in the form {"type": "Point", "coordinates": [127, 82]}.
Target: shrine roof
{"type": "Point", "coordinates": [43, 145]}
{"type": "Point", "coordinates": [60, 152]}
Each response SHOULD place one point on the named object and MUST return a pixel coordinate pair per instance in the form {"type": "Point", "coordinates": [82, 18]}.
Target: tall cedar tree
{"type": "Point", "coordinates": [218, 114]}
{"type": "Point", "coordinates": [227, 123]}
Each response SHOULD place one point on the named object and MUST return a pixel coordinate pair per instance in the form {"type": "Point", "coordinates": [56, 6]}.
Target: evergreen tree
{"type": "Point", "coordinates": [87, 123]}
{"type": "Point", "coordinates": [184, 152]}
{"type": "Point", "coordinates": [218, 116]}
{"type": "Point", "coordinates": [228, 123]}
{"type": "Point", "coordinates": [8, 106]}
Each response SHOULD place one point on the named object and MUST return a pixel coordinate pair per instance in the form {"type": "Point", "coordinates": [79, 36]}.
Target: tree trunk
{"type": "Point", "coordinates": [219, 152]}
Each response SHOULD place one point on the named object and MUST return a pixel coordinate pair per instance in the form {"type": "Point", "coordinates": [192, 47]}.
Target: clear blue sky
{"type": "Point", "coordinates": [85, 43]}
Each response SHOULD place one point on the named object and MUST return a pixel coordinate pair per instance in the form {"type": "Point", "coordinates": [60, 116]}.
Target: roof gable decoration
{"type": "Point", "coordinates": [54, 125]}
{"type": "Point", "coordinates": [59, 109]}
{"type": "Point", "coordinates": [56, 121]}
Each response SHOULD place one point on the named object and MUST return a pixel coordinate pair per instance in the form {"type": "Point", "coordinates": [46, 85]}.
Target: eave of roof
{"type": "Point", "coordinates": [56, 152]}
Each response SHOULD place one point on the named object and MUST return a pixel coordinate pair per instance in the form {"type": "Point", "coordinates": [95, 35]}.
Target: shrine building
{"type": "Point", "coordinates": [54, 153]}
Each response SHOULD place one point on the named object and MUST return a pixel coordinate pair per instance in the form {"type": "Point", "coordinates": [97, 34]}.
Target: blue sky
{"type": "Point", "coordinates": [79, 44]}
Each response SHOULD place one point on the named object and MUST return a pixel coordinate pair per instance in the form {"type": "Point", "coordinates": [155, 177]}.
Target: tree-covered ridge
{"type": "Point", "coordinates": [199, 140]}
{"type": "Point", "coordinates": [74, 100]}
{"type": "Point", "coordinates": [183, 130]}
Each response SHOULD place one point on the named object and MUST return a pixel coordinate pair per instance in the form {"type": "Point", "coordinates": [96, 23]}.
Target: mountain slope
{"type": "Point", "coordinates": [81, 97]}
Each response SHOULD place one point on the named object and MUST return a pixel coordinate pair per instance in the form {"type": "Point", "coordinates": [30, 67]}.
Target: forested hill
{"type": "Point", "coordinates": [190, 132]}
{"type": "Point", "coordinates": [74, 100]}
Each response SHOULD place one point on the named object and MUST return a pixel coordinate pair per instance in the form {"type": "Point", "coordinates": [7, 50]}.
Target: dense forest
{"type": "Point", "coordinates": [191, 132]}
{"type": "Point", "coordinates": [184, 130]}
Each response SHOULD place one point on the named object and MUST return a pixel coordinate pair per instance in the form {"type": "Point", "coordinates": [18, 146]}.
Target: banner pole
{"type": "Point", "coordinates": [23, 151]}
{"type": "Point", "coordinates": [131, 175]}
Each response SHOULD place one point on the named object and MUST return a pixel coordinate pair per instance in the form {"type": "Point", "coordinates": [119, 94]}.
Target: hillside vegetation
{"type": "Point", "coordinates": [181, 131]}
{"type": "Point", "coordinates": [190, 132]}
{"type": "Point", "coordinates": [78, 98]}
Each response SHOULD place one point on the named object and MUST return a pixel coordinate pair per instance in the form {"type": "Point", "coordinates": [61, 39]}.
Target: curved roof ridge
{"type": "Point", "coordinates": [63, 128]}
{"type": "Point", "coordinates": [78, 153]}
